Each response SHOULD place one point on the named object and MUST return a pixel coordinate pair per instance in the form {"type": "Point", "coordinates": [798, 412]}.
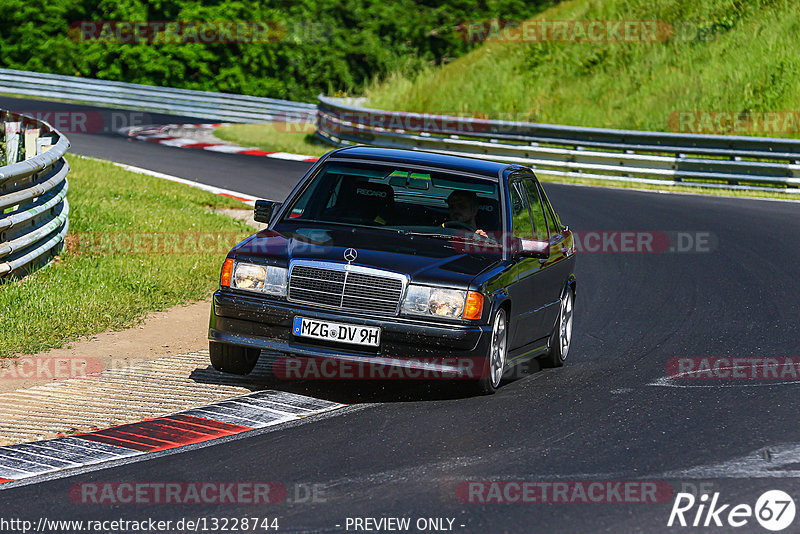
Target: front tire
{"type": "Point", "coordinates": [232, 359]}
{"type": "Point", "coordinates": [562, 333]}
{"type": "Point", "coordinates": [495, 363]}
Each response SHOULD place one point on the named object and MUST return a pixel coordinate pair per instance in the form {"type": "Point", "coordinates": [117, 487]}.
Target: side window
{"type": "Point", "coordinates": [553, 223]}
{"type": "Point", "coordinates": [520, 214]}
{"type": "Point", "coordinates": [537, 211]}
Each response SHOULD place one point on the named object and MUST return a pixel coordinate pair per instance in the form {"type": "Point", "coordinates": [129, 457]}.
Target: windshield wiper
{"type": "Point", "coordinates": [347, 225]}
{"type": "Point", "coordinates": [428, 234]}
{"type": "Point", "coordinates": [469, 238]}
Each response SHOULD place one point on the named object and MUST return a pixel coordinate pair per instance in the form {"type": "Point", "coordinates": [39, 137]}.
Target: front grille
{"type": "Point", "coordinates": [337, 287]}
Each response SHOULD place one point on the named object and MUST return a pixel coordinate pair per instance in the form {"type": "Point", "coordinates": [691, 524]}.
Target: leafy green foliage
{"type": "Point", "coordinates": [326, 45]}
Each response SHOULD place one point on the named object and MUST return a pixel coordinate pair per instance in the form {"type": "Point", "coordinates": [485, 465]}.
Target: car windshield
{"type": "Point", "coordinates": [429, 202]}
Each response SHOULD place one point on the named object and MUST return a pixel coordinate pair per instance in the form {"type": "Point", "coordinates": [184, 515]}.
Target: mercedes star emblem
{"type": "Point", "coordinates": [350, 254]}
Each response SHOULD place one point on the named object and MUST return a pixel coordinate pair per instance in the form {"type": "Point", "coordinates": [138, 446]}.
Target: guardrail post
{"type": "Point", "coordinates": [31, 135]}
{"type": "Point", "coordinates": [11, 139]}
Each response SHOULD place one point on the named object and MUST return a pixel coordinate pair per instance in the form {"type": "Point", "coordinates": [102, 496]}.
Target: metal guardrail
{"type": "Point", "coordinates": [596, 153]}
{"type": "Point", "coordinates": [33, 193]}
{"type": "Point", "coordinates": [201, 104]}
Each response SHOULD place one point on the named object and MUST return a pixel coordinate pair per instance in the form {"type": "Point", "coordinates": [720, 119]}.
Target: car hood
{"type": "Point", "coordinates": [424, 259]}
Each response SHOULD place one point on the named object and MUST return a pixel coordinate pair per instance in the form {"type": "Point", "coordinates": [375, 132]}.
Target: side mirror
{"type": "Point", "coordinates": [264, 210]}
{"type": "Point", "coordinates": [531, 248]}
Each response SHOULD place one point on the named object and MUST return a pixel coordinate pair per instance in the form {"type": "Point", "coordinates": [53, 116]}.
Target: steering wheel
{"type": "Point", "coordinates": [458, 225]}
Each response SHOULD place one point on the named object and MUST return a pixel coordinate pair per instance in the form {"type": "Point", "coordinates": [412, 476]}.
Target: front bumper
{"type": "Point", "coordinates": [250, 321]}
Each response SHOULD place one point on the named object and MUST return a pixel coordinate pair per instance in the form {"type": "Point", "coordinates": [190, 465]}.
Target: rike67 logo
{"type": "Point", "coordinates": [774, 510]}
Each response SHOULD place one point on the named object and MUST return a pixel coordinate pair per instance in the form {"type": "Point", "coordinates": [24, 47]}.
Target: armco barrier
{"type": "Point", "coordinates": [33, 193]}
{"type": "Point", "coordinates": [201, 104]}
{"type": "Point", "coordinates": [597, 153]}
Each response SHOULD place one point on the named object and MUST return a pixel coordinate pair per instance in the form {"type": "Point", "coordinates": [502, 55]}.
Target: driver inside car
{"type": "Point", "coordinates": [462, 208]}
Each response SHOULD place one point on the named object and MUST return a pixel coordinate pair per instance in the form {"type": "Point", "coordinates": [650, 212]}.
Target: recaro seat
{"type": "Point", "coordinates": [366, 202]}
{"type": "Point", "coordinates": [488, 217]}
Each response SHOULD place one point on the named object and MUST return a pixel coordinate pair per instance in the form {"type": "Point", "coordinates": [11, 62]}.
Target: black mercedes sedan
{"type": "Point", "coordinates": [387, 263]}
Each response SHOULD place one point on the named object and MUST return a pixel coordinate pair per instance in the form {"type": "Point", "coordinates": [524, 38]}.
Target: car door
{"type": "Point", "coordinates": [528, 296]}
{"type": "Point", "coordinates": [555, 270]}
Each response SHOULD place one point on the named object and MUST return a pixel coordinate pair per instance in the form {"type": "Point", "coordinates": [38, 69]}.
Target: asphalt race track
{"type": "Point", "coordinates": [402, 449]}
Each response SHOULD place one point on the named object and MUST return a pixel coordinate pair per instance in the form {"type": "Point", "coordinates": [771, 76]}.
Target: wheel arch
{"type": "Point", "coordinates": [500, 299]}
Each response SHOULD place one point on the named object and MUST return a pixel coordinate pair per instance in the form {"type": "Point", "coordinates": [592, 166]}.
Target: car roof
{"type": "Point", "coordinates": [426, 159]}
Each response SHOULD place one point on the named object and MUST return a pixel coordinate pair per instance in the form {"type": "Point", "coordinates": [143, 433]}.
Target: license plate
{"type": "Point", "coordinates": [338, 332]}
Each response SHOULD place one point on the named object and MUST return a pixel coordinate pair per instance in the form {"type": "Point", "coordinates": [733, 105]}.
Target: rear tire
{"type": "Point", "coordinates": [561, 336]}
{"type": "Point", "coordinates": [232, 359]}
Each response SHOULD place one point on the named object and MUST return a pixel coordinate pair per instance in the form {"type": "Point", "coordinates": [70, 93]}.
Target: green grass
{"type": "Point", "coordinates": [292, 137]}
{"type": "Point", "coordinates": [99, 283]}
{"type": "Point", "coordinates": [728, 55]}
